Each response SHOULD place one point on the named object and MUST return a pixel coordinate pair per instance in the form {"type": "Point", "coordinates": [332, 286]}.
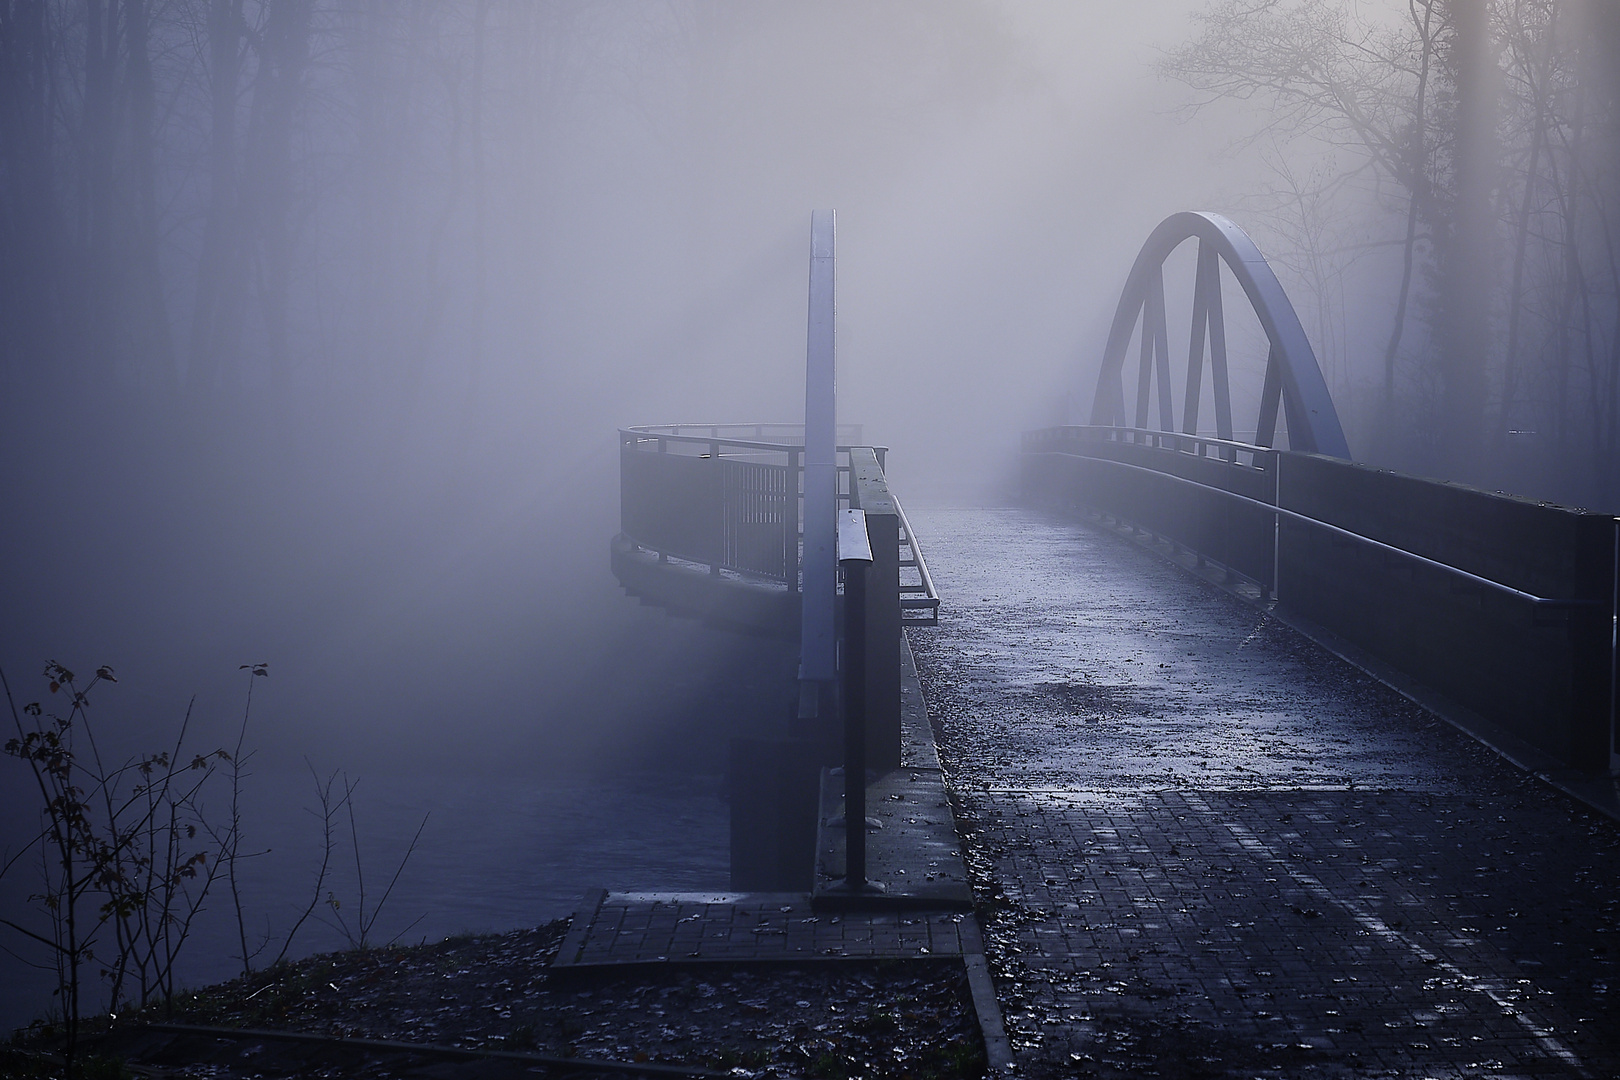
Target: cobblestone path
{"type": "Point", "coordinates": [1204, 847]}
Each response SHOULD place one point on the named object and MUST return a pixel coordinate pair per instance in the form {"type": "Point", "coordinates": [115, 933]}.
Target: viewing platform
{"type": "Point", "coordinates": [712, 522]}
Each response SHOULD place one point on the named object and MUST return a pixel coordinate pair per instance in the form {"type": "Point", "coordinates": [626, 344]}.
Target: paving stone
{"type": "Point", "coordinates": [654, 928]}
{"type": "Point", "coordinates": [913, 852]}
{"type": "Point", "coordinates": [1206, 847]}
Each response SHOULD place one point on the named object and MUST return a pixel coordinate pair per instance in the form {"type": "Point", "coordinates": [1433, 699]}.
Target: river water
{"type": "Point", "coordinates": [495, 853]}
{"type": "Point", "coordinates": [625, 791]}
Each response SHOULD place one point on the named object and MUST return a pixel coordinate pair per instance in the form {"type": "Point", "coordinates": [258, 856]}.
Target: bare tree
{"type": "Point", "coordinates": [1329, 77]}
{"type": "Point", "coordinates": [1492, 126]}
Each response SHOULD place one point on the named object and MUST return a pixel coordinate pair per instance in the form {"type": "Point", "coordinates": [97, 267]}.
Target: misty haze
{"type": "Point", "coordinates": [320, 321]}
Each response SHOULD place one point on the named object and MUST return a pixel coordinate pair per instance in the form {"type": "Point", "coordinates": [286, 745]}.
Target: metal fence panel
{"type": "Point", "coordinates": [672, 503]}
{"type": "Point", "coordinates": [755, 516]}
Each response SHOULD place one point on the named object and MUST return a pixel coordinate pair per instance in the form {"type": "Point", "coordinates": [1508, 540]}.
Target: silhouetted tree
{"type": "Point", "coordinates": [1493, 124]}
{"type": "Point", "coordinates": [30, 241]}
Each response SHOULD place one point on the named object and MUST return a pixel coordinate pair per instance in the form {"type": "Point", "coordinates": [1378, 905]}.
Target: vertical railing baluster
{"type": "Point", "coordinates": [790, 530]}
{"type": "Point", "coordinates": [1195, 347]}
{"type": "Point", "coordinates": [1161, 351]}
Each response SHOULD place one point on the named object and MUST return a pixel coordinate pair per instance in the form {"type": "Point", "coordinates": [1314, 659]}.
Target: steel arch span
{"type": "Point", "coordinates": [1293, 378]}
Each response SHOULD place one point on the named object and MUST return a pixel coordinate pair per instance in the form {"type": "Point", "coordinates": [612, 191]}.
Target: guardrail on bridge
{"type": "Point", "coordinates": [1504, 605]}
{"type": "Point", "coordinates": [725, 500]}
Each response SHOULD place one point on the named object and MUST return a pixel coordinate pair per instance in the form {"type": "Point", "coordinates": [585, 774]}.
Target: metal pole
{"type": "Point", "coordinates": [727, 511]}
{"type": "Point", "coordinates": [855, 556]}
{"type": "Point", "coordinates": [855, 723]}
{"type": "Point", "coordinates": [1276, 524]}
{"type": "Point", "coordinates": [1614, 656]}
{"type": "Point", "coordinates": [816, 645]}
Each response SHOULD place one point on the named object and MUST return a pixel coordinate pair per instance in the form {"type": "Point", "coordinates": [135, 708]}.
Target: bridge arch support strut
{"type": "Point", "coordinates": [1293, 379]}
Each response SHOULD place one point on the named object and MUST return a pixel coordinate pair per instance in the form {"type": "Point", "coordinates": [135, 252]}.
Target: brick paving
{"type": "Point", "coordinates": [659, 928]}
{"type": "Point", "coordinates": [1204, 847]}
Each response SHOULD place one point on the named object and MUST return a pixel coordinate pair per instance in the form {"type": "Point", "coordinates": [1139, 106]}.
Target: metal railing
{"type": "Point", "coordinates": [919, 603]}
{"type": "Point", "coordinates": [724, 496]}
{"type": "Point", "coordinates": [1507, 606]}
{"type": "Point", "coordinates": [1201, 446]}
{"type": "Point", "coordinates": [775, 434]}
{"type": "Point", "coordinates": [1265, 459]}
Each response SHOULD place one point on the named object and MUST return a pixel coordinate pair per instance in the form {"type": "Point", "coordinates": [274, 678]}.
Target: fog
{"type": "Point", "coordinates": [404, 506]}
{"type": "Point", "coordinates": [318, 319]}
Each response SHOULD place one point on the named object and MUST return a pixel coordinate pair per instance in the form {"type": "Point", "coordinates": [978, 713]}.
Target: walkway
{"type": "Point", "coordinates": [614, 929]}
{"type": "Point", "coordinates": [1210, 848]}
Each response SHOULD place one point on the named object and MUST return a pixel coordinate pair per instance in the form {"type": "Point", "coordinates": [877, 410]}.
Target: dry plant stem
{"type": "Point", "coordinates": [231, 843]}
{"type": "Point", "coordinates": [329, 811]}
{"type": "Point", "coordinates": [125, 846]}
{"type": "Point", "coordinates": [409, 851]}
{"type": "Point", "coordinates": [63, 893]}
{"type": "Point", "coordinates": [360, 937]}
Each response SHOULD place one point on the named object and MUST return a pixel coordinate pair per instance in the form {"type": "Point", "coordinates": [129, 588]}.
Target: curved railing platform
{"type": "Point", "coordinates": [711, 523]}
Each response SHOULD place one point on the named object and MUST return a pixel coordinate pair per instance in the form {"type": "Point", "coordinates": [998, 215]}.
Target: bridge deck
{"type": "Point", "coordinates": [1215, 849]}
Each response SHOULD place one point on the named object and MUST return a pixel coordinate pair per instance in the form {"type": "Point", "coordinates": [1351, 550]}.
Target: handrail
{"type": "Point", "coordinates": [788, 459]}
{"type": "Point", "coordinates": [1530, 598]}
{"type": "Point", "coordinates": [670, 432]}
{"type": "Point", "coordinates": [1155, 437]}
{"type": "Point", "coordinates": [930, 593]}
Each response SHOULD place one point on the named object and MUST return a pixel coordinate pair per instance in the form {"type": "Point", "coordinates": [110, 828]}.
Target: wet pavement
{"type": "Point", "coordinates": [618, 929]}
{"type": "Point", "coordinates": [1205, 847]}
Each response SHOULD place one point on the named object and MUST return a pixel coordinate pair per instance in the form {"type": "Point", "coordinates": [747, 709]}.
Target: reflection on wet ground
{"type": "Point", "coordinates": [1209, 848]}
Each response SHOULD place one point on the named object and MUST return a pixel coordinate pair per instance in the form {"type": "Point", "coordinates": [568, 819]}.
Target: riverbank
{"type": "Point", "coordinates": [500, 993]}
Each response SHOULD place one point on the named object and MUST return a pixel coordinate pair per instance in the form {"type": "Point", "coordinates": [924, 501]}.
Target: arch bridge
{"type": "Point", "coordinates": [1504, 607]}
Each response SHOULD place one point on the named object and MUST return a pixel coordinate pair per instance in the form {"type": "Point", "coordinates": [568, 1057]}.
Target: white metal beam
{"type": "Point", "coordinates": [816, 644]}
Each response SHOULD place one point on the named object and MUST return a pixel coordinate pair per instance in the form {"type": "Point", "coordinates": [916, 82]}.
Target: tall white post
{"type": "Point", "coordinates": [816, 645]}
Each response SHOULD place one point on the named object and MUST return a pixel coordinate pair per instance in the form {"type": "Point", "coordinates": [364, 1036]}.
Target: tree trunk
{"type": "Point", "coordinates": [268, 184]}
{"type": "Point", "coordinates": [30, 224]}
{"type": "Point", "coordinates": [1467, 269]}
{"type": "Point", "coordinates": [96, 295]}
{"type": "Point", "coordinates": [152, 331]}
{"type": "Point", "coordinates": [215, 264]}
{"type": "Point", "coordinates": [1417, 172]}
{"type": "Point", "coordinates": [1538, 81]}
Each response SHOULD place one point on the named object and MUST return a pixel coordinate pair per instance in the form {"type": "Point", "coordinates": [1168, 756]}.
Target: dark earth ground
{"type": "Point", "coordinates": [1204, 847]}
{"type": "Point", "coordinates": [496, 992]}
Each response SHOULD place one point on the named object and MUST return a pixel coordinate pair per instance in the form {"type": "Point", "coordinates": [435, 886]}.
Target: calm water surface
{"type": "Point", "coordinates": [496, 853]}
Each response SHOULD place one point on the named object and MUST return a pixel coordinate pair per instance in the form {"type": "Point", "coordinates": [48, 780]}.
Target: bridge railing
{"type": "Point", "coordinates": [1504, 605]}
{"type": "Point", "coordinates": [1228, 450]}
{"type": "Point", "coordinates": [723, 495]}
{"type": "Point", "coordinates": [711, 527]}
{"type": "Point", "coordinates": [1212, 495]}
{"type": "Point", "coordinates": [728, 498]}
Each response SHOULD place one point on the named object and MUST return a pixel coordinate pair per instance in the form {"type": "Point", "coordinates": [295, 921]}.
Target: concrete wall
{"type": "Point", "coordinates": [774, 790]}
